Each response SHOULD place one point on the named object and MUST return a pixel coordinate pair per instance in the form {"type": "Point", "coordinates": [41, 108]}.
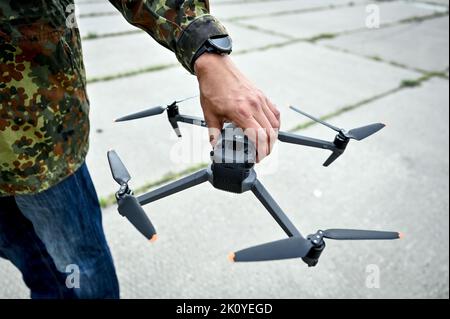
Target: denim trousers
{"type": "Point", "coordinates": [55, 238]}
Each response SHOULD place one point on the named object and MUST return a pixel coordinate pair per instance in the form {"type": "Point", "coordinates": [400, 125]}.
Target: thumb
{"type": "Point", "coordinates": [215, 126]}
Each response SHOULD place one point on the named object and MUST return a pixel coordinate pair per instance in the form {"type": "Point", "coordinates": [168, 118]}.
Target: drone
{"type": "Point", "coordinates": [232, 170]}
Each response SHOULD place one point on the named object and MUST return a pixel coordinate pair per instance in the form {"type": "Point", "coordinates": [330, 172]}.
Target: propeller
{"type": "Point", "coordinates": [119, 171]}
{"type": "Point", "coordinates": [292, 247]}
{"type": "Point", "coordinates": [343, 136]}
{"type": "Point", "coordinates": [358, 134]}
{"type": "Point", "coordinates": [355, 234]}
{"type": "Point", "coordinates": [129, 206]}
{"type": "Point", "coordinates": [152, 111]}
{"type": "Point", "coordinates": [298, 247]}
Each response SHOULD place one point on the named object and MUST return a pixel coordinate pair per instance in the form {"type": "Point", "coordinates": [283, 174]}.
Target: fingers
{"type": "Point", "coordinates": [264, 131]}
{"type": "Point", "coordinates": [215, 125]}
{"type": "Point", "coordinates": [272, 113]}
{"type": "Point", "coordinates": [258, 136]}
{"type": "Point", "coordinates": [273, 116]}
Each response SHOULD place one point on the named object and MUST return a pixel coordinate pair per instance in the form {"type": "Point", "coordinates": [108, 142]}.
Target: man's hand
{"type": "Point", "coordinates": [227, 95]}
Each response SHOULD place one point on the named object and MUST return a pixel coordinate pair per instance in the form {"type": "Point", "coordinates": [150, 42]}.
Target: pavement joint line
{"type": "Point", "coordinates": [290, 41]}
{"type": "Point", "coordinates": [111, 77]}
{"type": "Point", "coordinates": [297, 11]}
{"type": "Point", "coordinates": [269, 14]}
{"type": "Point", "coordinates": [94, 36]}
{"type": "Point", "coordinates": [265, 31]}
{"type": "Point", "coordinates": [404, 84]}
{"type": "Point", "coordinates": [415, 19]}
{"type": "Point", "coordinates": [377, 59]}
{"type": "Point", "coordinates": [110, 200]}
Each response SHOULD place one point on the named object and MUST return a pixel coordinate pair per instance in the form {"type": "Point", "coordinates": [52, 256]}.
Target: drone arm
{"type": "Point", "coordinates": [175, 187]}
{"type": "Point", "coordinates": [191, 120]}
{"type": "Point", "coordinates": [277, 213]}
{"type": "Point", "coordinates": [306, 141]}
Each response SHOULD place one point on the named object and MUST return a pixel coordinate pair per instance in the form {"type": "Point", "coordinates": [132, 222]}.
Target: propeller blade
{"type": "Point", "coordinates": [361, 133]}
{"type": "Point", "coordinates": [332, 158]}
{"type": "Point", "coordinates": [186, 99]}
{"type": "Point", "coordinates": [315, 119]}
{"type": "Point", "coordinates": [130, 208]}
{"type": "Point", "coordinates": [118, 169]}
{"type": "Point", "coordinates": [293, 247]}
{"type": "Point", "coordinates": [150, 112]}
{"type": "Point", "coordinates": [355, 234]}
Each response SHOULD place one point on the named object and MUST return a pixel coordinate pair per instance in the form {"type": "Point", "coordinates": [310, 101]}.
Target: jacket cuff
{"type": "Point", "coordinates": [194, 36]}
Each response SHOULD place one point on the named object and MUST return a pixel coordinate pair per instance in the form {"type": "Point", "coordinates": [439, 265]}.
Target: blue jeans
{"type": "Point", "coordinates": [55, 238]}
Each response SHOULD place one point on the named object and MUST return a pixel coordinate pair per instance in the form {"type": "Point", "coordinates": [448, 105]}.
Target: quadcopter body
{"type": "Point", "coordinates": [232, 169]}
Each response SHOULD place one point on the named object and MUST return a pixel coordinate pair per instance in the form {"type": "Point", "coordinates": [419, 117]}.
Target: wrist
{"type": "Point", "coordinates": [210, 61]}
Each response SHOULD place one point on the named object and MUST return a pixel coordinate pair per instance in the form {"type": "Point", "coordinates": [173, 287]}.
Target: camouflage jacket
{"type": "Point", "coordinates": [44, 125]}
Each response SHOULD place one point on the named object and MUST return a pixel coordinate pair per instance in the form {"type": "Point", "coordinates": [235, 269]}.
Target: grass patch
{"type": "Point", "coordinates": [171, 176]}
{"type": "Point", "coordinates": [322, 36]}
{"type": "Point", "coordinates": [417, 19]}
{"type": "Point", "coordinates": [91, 36]}
{"type": "Point", "coordinates": [375, 58]}
{"type": "Point", "coordinates": [410, 83]}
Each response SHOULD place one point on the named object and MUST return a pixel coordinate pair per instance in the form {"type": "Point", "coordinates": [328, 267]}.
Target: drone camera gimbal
{"type": "Point", "coordinates": [232, 169]}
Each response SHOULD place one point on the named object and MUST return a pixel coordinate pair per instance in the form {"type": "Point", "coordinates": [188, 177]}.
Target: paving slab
{"type": "Point", "coordinates": [395, 180]}
{"type": "Point", "coordinates": [309, 76]}
{"type": "Point", "coordinates": [306, 25]}
{"type": "Point", "coordinates": [227, 9]}
{"type": "Point", "coordinates": [273, 7]}
{"type": "Point", "coordinates": [400, 44]}
{"type": "Point", "coordinates": [138, 51]}
{"type": "Point", "coordinates": [101, 25]}
{"type": "Point", "coordinates": [99, 7]}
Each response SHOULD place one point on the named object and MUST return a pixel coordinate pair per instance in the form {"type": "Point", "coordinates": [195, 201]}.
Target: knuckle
{"type": "Point", "coordinates": [243, 111]}
{"type": "Point", "coordinates": [254, 103]}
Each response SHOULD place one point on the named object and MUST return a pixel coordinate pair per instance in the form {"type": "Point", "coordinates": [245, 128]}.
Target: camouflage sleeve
{"type": "Point", "coordinates": [180, 25]}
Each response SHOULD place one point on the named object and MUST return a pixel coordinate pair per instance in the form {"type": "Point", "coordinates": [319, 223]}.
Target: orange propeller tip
{"type": "Point", "coordinates": [231, 257]}
{"type": "Point", "coordinates": [154, 238]}
{"type": "Point", "coordinates": [401, 235]}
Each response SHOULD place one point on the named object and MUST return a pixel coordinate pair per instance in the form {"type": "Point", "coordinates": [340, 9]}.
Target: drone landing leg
{"type": "Point", "coordinates": [277, 213]}
{"type": "Point", "coordinates": [175, 187]}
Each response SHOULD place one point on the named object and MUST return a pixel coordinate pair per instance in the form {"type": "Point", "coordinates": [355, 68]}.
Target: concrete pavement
{"type": "Point", "coordinates": [395, 180]}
